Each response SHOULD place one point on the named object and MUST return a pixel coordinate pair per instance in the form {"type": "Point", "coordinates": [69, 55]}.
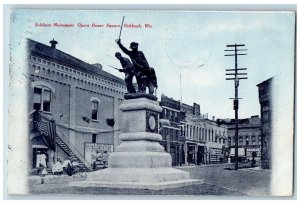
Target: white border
{"type": "Point", "coordinates": [209, 5]}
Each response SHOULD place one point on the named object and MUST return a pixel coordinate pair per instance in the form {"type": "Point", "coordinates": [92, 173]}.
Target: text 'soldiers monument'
{"type": "Point", "coordinates": [139, 161]}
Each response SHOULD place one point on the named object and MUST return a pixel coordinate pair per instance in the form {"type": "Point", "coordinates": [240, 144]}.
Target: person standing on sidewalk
{"type": "Point", "coordinates": [43, 173]}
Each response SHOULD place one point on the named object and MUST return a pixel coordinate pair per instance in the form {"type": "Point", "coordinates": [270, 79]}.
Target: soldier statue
{"type": "Point", "coordinates": [129, 71]}
{"type": "Point", "coordinates": [140, 64]}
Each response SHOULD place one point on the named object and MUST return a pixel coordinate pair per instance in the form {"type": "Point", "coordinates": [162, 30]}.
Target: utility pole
{"type": "Point", "coordinates": [236, 76]}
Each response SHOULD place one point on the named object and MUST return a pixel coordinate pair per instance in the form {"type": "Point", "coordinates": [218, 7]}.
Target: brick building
{"type": "Point", "coordinates": [172, 139]}
{"type": "Point", "coordinates": [249, 137]}
{"type": "Point", "coordinates": [79, 97]}
{"type": "Point", "coordinates": [265, 100]}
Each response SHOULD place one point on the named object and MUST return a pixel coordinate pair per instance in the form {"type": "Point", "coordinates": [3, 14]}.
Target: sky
{"type": "Point", "coordinates": [190, 44]}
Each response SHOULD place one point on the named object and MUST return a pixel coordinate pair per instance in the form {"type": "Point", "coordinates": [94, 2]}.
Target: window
{"type": "Point", "coordinates": [37, 98]}
{"type": "Point", "coordinates": [253, 140]}
{"type": "Point", "coordinates": [46, 100]}
{"type": "Point", "coordinates": [42, 99]}
{"type": "Point", "coordinates": [240, 140]}
{"type": "Point", "coordinates": [95, 105]}
{"type": "Point", "coordinates": [94, 138]}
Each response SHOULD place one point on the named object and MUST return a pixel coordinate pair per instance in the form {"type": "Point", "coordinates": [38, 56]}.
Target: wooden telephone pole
{"type": "Point", "coordinates": [236, 76]}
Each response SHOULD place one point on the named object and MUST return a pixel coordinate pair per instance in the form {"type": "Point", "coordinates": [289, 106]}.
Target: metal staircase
{"type": "Point", "coordinates": [72, 152]}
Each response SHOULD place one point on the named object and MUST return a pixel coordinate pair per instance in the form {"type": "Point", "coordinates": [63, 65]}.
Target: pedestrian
{"type": "Point", "coordinates": [38, 159]}
{"type": "Point", "coordinates": [57, 168]}
{"type": "Point", "coordinates": [68, 166]}
{"type": "Point", "coordinates": [43, 173]}
{"type": "Point", "coordinates": [42, 159]}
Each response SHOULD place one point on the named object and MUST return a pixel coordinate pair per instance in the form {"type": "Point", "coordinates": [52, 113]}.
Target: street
{"type": "Point", "coordinates": [217, 181]}
{"type": "Point", "coordinates": [246, 180]}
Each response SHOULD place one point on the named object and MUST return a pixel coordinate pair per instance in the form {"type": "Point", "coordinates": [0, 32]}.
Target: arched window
{"type": "Point", "coordinates": [95, 108]}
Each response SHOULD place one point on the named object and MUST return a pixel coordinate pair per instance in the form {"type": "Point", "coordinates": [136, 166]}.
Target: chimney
{"type": "Point", "coordinates": [196, 109]}
{"type": "Point", "coordinates": [213, 118]}
{"type": "Point", "coordinates": [53, 43]}
{"type": "Point", "coordinates": [99, 66]}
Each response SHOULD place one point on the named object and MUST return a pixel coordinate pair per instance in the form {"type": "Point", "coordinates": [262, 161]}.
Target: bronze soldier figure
{"type": "Point", "coordinates": [140, 64]}
{"type": "Point", "coordinates": [128, 69]}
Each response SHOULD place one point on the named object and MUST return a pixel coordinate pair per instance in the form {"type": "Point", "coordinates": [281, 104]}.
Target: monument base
{"type": "Point", "coordinates": [138, 178]}
{"type": "Point", "coordinates": [139, 161]}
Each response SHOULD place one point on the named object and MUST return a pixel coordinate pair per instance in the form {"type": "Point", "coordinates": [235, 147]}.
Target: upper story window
{"type": "Point", "coordinates": [42, 99]}
{"type": "Point", "coordinates": [95, 105]}
{"type": "Point", "coordinates": [42, 95]}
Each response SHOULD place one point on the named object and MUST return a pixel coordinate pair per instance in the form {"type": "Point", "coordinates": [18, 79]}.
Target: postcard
{"type": "Point", "coordinates": [151, 102]}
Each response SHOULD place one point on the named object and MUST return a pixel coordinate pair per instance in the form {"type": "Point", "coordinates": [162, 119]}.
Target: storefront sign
{"type": "Point", "coordinates": [216, 151]}
{"type": "Point", "coordinates": [250, 152]}
{"type": "Point", "coordinates": [97, 154]}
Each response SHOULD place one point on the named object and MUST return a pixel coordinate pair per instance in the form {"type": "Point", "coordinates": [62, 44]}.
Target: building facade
{"type": "Point", "coordinates": [204, 139]}
{"type": "Point", "coordinates": [172, 139]}
{"type": "Point", "coordinates": [190, 137]}
{"type": "Point", "coordinates": [81, 100]}
{"type": "Point", "coordinates": [249, 138]}
{"type": "Point", "coordinates": [265, 100]}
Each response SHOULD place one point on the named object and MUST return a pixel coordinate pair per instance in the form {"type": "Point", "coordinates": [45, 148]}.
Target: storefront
{"type": "Point", "coordinates": [216, 155]}
{"type": "Point", "coordinates": [201, 155]}
{"type": "Point", "coordinates": [253, 152]}
{"type": "Point", "coordinates": [191, 153]}
{"type": "Point", "coordinates": [38, 148]}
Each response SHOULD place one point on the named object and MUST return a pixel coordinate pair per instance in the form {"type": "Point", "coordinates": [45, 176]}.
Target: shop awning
{"type": "Point", "coordinates": [221, 136]}
{"type": "Point", "coordinates": [38, 142]}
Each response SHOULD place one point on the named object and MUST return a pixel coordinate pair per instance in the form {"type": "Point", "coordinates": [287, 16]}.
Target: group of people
{"type": "Point", "coordinates": [138, 67]}
{"type": "Point", "coordinates": [67, 166]}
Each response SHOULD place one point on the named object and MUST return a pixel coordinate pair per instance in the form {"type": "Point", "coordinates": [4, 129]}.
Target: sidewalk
{"type": "Point", "coordinates": [54, 179]}
{"type": "Point", "coordinates": [256, 169]}
{"type": "Point", "coordinates": [202, 165]}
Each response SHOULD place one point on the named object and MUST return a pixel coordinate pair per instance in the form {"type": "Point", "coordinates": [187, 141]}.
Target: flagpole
{"type": "Point", "coordinates": [180, 89]}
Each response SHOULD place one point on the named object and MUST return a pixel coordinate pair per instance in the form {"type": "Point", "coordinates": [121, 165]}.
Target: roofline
{"type": "Point", "coordinates": [118, 80]}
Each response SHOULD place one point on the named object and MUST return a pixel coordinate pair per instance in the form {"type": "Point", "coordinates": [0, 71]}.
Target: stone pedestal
{"type": "Point", "coordinates": [140, 161]}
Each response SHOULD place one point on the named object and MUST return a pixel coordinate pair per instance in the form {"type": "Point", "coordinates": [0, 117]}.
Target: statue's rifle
{"type": "Point", "coordinates": [114, 67]}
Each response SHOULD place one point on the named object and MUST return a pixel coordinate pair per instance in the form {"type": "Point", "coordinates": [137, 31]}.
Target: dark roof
{"type": "Point", "coordinates": [266, 81]}
{"type": "Point", "coordinates": [46, 52]}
